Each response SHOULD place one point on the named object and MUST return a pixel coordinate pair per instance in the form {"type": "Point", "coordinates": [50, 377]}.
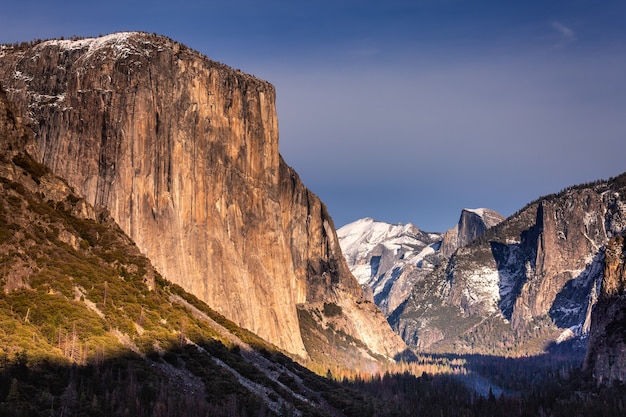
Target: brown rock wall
{"type": "Point", "coordinates": [183, 152]}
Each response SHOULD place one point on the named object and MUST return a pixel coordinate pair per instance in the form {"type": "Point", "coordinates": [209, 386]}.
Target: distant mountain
{"type": "Point", "coordinates": [472, 224]}
{"type": "Point", "coordinates": [526, 283]}
{"type": "Point", "coordinates": [387, 258]}
{"type": "Point", "coordinates": [183, 153]}
{"type": "Point", "coordinates": [390, 259]}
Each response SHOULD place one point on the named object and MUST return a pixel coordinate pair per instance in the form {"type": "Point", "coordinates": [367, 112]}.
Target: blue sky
{"type": "Point", "coordinates": [406, 111]}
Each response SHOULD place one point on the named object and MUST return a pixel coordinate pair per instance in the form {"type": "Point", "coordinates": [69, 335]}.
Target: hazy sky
{"type": "Point", "coordinates": [406, 111]}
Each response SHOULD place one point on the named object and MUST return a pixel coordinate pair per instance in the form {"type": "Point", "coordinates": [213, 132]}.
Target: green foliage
{"type": "Point", "coordinates": [245, 335]}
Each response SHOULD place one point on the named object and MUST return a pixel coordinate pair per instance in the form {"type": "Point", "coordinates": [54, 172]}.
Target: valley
{"type": "Point", "coordinates": [159, 257]}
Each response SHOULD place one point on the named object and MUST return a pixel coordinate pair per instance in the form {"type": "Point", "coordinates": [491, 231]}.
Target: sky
{"type": "Point", "coordinates": [406, 111]}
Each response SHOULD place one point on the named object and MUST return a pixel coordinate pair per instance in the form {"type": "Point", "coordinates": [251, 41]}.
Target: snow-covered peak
{"type": "Point", "coordinates": [363, 235]}
{"type": "Point", "coordinates": [364, 238]}
{"type": "Point", "coordinates": [379, 253]}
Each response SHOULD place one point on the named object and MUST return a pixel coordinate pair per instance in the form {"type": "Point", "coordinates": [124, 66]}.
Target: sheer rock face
{"type": "Point", "coordinates": [549, 253]}
{"type": "Point", "coordinates": [183, 152]}
{"type": "Point", "coordinates": [472, 224]}
{"type": "Point", "coordinates": [566, 237]}
{"type": "Point", "coordinates": [14, 137]}
{"type": "Point", "coordinates": [606, 352]}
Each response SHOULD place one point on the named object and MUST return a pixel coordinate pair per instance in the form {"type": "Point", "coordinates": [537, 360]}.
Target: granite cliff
{"type": "Point", "coordinates": [606, 351]}
{"type": "Point", "coordinates": [183, 152]}
{"type": "Point", "coordinates": [472, 224]}
{"type": "Point", "coordinates": [78, 302]}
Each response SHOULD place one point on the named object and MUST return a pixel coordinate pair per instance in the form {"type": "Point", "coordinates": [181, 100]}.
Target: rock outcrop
{"type": "Point", "coordinates": [183, 152]}
{"type": "Point", "coordinates": [606, 349]}
{"type": "Point", "coordinates": [472, 224]}
{"type": "Point", "coordinates": [532, 278]}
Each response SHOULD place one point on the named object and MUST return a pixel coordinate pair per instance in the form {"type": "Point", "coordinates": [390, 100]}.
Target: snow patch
{"type": "Point", "coordinates": [484, 285]}
{"type": "Point", "coordinates": [19, 75]}
{"type": "Point", "coordinates": [478, 211]}
{"type": "Point", "coordinates": [118, 42]}
{"type": "Point", "coordinates": [566, 335]}
{"type": "Point", "coordinates": [428, 250]}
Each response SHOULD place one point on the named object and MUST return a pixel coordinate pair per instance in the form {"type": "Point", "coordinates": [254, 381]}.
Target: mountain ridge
{"type": "Point", "coordinates": [538, 269]}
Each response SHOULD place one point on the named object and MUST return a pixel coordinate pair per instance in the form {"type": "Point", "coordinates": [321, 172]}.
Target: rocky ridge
{"type": "Point", "coordinates": [183, 152]}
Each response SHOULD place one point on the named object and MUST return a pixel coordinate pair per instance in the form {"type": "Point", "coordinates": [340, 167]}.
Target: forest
{"type": "Point", "coordinates": [548, 385]}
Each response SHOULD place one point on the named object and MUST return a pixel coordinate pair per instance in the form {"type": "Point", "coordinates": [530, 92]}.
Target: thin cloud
{"type": "Point", "coordinates": [566, 34]}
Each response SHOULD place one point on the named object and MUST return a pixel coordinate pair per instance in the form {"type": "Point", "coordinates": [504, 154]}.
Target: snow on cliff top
{"type": "Point", "coordinates": [489, 216]}
{"type": "Point", "coordinates": [119, 42]}
{"type": "Point", "coordinates": [124, 44]}
{"type": "Point", "coordinates": [92, 43]}
{"type": "Point", "coordinates": [478, 211]}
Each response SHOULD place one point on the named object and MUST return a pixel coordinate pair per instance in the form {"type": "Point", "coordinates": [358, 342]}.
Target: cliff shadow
{"type": "Point", "coordinates": [507, 375]}
{"type": "Point", "coordinates": [514, 262]}
{"type": "Point", "coordinates": [575, 301]}
{"type": "Point", "coordinates": [381, 296]}
{"type": "Point", "coordinates": [511, 278]}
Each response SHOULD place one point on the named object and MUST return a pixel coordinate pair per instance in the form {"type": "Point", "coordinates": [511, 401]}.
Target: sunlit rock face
{"type": "Point", "coordinates": [606, 351]}
{"type": "Point", "coordinates": [183, 152]}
